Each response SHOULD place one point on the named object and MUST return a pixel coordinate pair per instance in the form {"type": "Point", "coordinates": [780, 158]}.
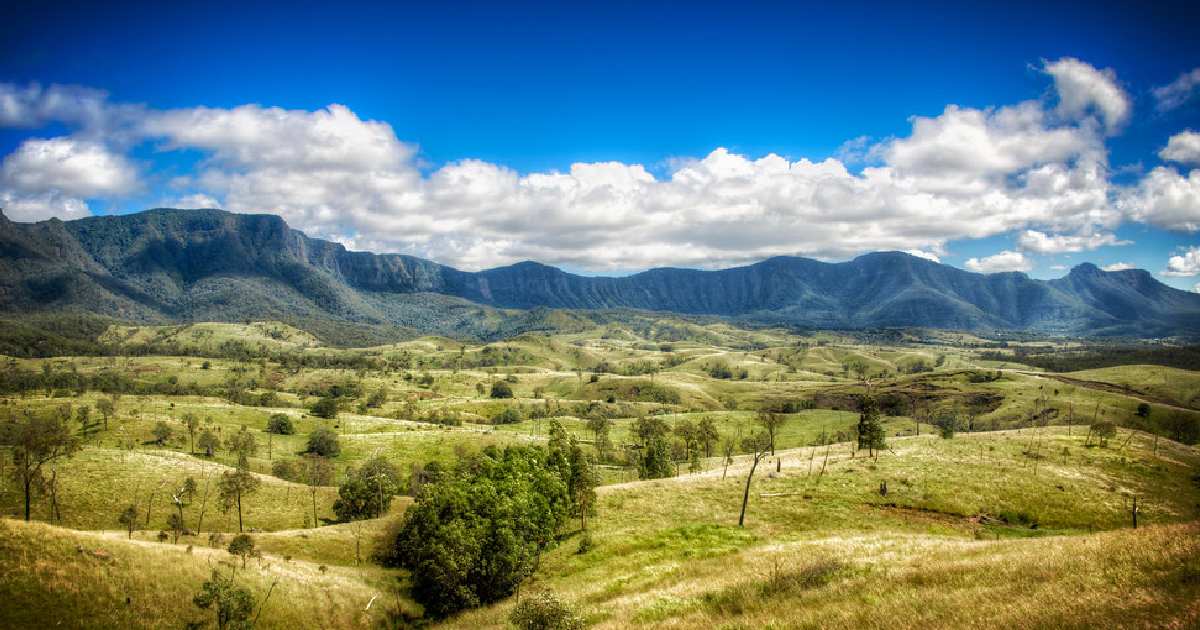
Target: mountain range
{"type": "Point", "coordinates": [167, 265]}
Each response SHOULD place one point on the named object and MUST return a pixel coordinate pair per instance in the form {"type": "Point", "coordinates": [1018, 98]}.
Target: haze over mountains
{"type": "Point", "coordinates": [168, 265]}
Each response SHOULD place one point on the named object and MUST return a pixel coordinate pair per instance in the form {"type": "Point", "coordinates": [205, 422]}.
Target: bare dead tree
{"type": "Point", "coordinates": [759, 445]}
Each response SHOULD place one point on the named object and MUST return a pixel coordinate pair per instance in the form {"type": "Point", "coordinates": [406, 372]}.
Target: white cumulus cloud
{"type": "Point", "coordinates": [1003, 261]}
{"type": "Point", "coordinates": [1166, 198]}
{"type": "Point", "coordinates": [1042, 243]}
{"type": "Point", "coordinates": [1082, 88]}
{"type": "Point", "coordinates": [1185, 264]}
{"type": "Point", "coordinates": [46, 178]}
{"type": "Point", "coordinates": [1118, 266]}
{"type": "Point", "coordinates": [72, 167]}
{"type": "Point", "coordinates": [1183, 147]}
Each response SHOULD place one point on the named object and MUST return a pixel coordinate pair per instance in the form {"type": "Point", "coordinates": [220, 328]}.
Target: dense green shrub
{"type": "Point", "coordinates": [325, 408]}
{"type": "Point", "coordinates": [508, 415]}
{"type": "Point", "coordinates": [280, 424]}
{"type": "Point", "coordinates": [474, 535]}
{"type": "Point", "coordinates": [323, 441]}
{"type": "Point", "coordinates": [501, 389]}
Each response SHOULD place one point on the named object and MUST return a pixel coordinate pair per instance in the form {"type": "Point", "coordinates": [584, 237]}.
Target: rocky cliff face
{"type": "Point", "coordinates": [208, 264]}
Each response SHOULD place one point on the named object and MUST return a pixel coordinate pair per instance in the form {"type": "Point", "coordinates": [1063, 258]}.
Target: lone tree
{"type": "Point", "coordinates": [501, 389]}
{"type": "Point", "coordinates": [947, 424]}
{"type": "Point", "coordinates": [318, 472]}
{"type": "Point", "coordinates": [727, 448]}
{"type": "Point", "coordinates": [243, 445]}
{"type": "Point", "coordinates": [242, 546]}
{"type": "Point", "coordinates": [326, 408]}
{"type": "Point", "coordinates": [1104, 430]}
{"type": "Point", "coordinates": [193, 424]}
{"type": "Point", "coordinates": [107, 408]}
{"type": "Point", "coordinates": [233, 487]}
{"type": "Point", "coordinates": [581, 482]}
{"type": "Point", "coordinates": [368, 491]}
{"type": "Point", "coordinates": [181, 498]}
{"type": "Point", "coordinates": [280, 424]}
{"type": "Point", "coordinates": [175, 524]}
{"type": "Point", "coordinates": [162, 432]}
{"type": "Point", "coordinates": [654, 460]}
{"type": "Point", "coordinates": [323, 441]}
{"type": "Point", "coordinates": [870, 429]}
{"type": "Point", "coordinates": [128, 518]}
{"type": "Point", "coordinates": [88, 426]}
{"type": "Point", "coordinates": [759, 445]}
{"type": "Point", "coordinates": [707, 434]}
{"type": "Point", "coordinates": [471, 539]}
{"type": "Point", "coordinates": [771, 422]}
{"type": "Point", "coordinates": [600, 426]}
{"type": "Point", "coordinates": [36, 440]}
{"type": "Point", "coordinates": [209, 442]}
{"type": "Point", "coordinates": [233, 603]}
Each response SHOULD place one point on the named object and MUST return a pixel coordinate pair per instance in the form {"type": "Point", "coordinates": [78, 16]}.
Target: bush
{"type": "Point", "coordinates": [233, 603]}
{"type": "Point", "coordinates": [500, 389]}
{"type": "Point", "coordinates": [947, 425]}
{"type": "Point", "coordinates": [323, 441]}
{"type": "Point", "coordinates": [1104, 431]}
{"type": "Point", "coordinates": [544, 611]}
{"type": "Point", "coordinates": [242, 546]}
{"type": "Point", "coordinates": [508, 415]}
{"type": "Point", "coordinates": [286, 469]}
{"type": "Point", "coordinates": [325, 408]}
{"type": "Point", "coordinates": [280, 424]}
{"type": "Point", "coordinates": [162, 432]}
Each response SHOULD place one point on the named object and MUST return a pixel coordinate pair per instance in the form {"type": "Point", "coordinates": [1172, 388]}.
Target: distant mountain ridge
{"type": "Point", "coordinates": [189, 265]}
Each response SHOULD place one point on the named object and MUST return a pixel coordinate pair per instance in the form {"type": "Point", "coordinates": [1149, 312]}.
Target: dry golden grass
{"type": "Point", "coordinates": [53, 577]}
{"type": "Point", "coordinates": [835, 554]}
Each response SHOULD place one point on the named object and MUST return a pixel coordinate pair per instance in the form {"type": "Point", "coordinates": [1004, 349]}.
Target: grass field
{"type": "Point", "coordinates": [997, 527]}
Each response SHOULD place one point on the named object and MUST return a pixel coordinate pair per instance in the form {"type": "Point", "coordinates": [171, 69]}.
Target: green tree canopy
{"type": "Point", "coordinates": [323, 441]}
{"type": "Point", "coordinates": [871, 436]}
{"type": "Point", "coordinates": [280, 424]}
{"type": "Point", "coordinates": [368, 491]}
{"type": "Point", "coordinates": [501, 389]}
{"type": "Point", "coordinates": [473, 536]}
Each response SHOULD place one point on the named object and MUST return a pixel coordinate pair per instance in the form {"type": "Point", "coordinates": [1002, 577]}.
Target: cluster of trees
{"type": "Point", "coordinates": [477, 531]}
{"type": "Point", "coordinates": [15, 380]}
{"type": "Point", "coordinates": [659, 448]}
{"type": "Point", "coordinates": [721, 370]}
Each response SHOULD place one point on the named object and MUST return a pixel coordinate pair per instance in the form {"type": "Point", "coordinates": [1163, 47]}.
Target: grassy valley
{"type": "Point", "coordinates": [997, 491]}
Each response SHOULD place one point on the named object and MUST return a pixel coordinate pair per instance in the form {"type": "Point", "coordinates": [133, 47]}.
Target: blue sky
{"type": "Point", "coordinates": [502, 94]}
